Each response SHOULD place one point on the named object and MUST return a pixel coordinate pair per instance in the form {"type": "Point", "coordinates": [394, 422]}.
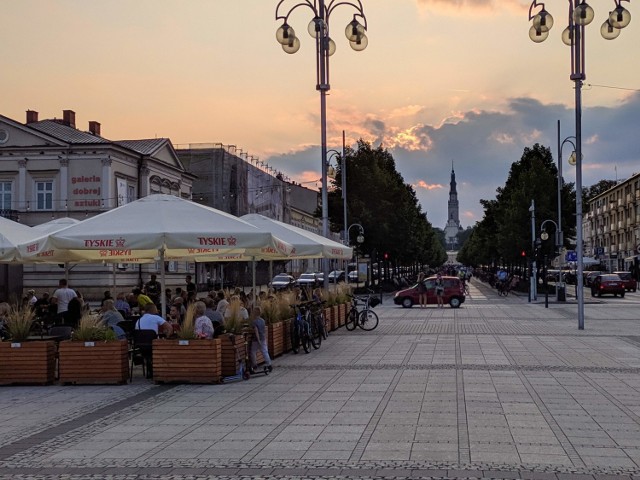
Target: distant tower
{"type": "Point", "coordinates": [453, 218]}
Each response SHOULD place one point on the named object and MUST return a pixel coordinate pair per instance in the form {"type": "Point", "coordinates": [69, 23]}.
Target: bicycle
{"type": "Point", "coordinates": [316, 312]}
{"type": "Point", "coordinates": [301, 331]}
{"type": "Point", "coordinates": [364, 318]}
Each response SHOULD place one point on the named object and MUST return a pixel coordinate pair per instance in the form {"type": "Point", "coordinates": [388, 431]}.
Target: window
{"type": "Point", "coordinates": [44, 195]}
{"type": "Point", "coordinates": [5, 195]}
{"type": "Point", "coordinates": [131, 193]}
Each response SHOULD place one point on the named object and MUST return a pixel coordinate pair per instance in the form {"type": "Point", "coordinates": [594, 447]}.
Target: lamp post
{"type": "Point", "coordinates": [558, 243]}
{"type": "Point", "coordinates": [359, 239]}
{"type": "Point", "coordinates": [580, 15]}
{"type": "Point", "coordinates": [325, 47]}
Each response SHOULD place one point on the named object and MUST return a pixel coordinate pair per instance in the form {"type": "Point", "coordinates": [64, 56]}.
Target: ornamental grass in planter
{"type": "Point", "coordinates": [234, 348]}
{"type": "Point", "coordinates": [94, 355]}
{"type": "Point", "coordinates": [187, 358]}
{"type": "Point", "coordinates": [23, 362]}
{"type": "Point", "coordinates": [271, 315]}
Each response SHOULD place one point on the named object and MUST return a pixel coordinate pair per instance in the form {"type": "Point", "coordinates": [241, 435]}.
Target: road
{"type": "Point", "coordinates": [499, 388]}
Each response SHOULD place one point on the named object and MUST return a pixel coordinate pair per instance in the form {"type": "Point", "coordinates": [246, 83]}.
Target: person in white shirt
{"type": "Point", "coordinates": [152, 321]}
{"type": "Point", "coordinates": [222, 303]}
{"type": "Point", "coordinates": [61, 297]}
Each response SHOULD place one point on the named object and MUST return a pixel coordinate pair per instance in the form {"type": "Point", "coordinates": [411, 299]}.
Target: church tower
{"type": "Point", "coordinates": [453, 217]}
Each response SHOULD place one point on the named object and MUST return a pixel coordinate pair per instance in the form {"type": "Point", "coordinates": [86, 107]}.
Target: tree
{"type": "Point", "coordinates": [588, 193]}
{"type": "Point", "coordinates": [386, 207]}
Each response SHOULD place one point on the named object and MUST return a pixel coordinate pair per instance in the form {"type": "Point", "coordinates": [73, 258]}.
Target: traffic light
{"type": "Point", "coordinates": [386, 256]}
{"type": "Point", "coordinates": [523, 253]}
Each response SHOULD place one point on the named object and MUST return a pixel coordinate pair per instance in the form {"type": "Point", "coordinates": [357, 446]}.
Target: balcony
{"type": "Point", "coordinates": [619, 224]}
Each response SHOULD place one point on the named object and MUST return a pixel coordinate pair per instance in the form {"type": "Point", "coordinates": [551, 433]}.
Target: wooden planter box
{"type": "Point", "coordinates": [93, 362]}
{"type": "Point", "coordinates": [342, 314]}
{"type": "Point", "coordinates": [187, 361]}
{"type": "Point", "coordinates": [335, 317]}
{"type": "Point", "coordinates": [286, 333]}
{"type": "Point", "coordinates": [275, 339]}
{"type": "Point", "coordinates": [231, 353]}
{"type": "Point", "coordinates": [27, 362]}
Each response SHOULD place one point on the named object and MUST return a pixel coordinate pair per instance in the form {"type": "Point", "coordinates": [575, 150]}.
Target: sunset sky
{"type": "Point", "coordinates": [441, 81]}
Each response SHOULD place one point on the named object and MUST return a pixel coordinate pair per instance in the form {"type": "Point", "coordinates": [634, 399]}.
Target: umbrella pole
{"type": "Point", "coordinates": [163, 296]}
{"type": "Point", "coordinates": [113, 267]}
{"type": "Point", "coordinates": [253, 274]}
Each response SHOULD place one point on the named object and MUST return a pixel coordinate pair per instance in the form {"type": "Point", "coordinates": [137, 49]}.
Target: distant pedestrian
{"type": "Point", "coordinates": [422, 291]}
{"type": "Point", "coordinates": [259, 340]}
{"type": "Point", "coordinates": [440, 291]}
{"type": "Point", "coordinates": [61, 298]}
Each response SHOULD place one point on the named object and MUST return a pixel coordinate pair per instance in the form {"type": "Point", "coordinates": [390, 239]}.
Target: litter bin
{"type": "Point", "coordinates": [561, 293]}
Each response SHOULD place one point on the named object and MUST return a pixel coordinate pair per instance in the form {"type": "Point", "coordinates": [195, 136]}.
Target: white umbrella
{"type": "Point", "coordinates": [11, 234]}
{"type": "Point", "coordinates": [305, 244]}
{"type": "Point", "coordinates": [54, 225]}
{"type": "Point", "coordinates": [155, 228]}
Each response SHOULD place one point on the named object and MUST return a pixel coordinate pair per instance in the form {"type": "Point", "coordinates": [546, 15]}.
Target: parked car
{"type": "Point", "coordinates": [336, 276]}
{"type": "Point", "coordinates": [453, 293]}
{"type": "Point", "coordinates": [589, 277]}
{"type": "Point", "coordinates": [607, 283]}
{"type": "Point", "coordinates": [282, 281]}
{"type": "Point", "coordinates": [630, 284]}
{"type": "Point", "coordinates": [308, 280]}
{"type": "Point", "coordinates": [353, 276]}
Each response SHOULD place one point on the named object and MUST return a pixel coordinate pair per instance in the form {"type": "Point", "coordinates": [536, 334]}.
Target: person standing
{"type": "Point", "coordinates": [152, 289]}
{"type": "Point", "coordinates": [191, 289]}
{"type": "Point", "coordinates": [259, 341]}
{"type": "Point", "coordinates": [440, 291]}
{"type": "Point", "coordinates": [61, 298]}
{"type": "Point", "coordinates": [422, 291]}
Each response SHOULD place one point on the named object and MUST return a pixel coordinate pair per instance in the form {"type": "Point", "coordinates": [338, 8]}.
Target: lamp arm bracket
{"type": "Point", "coordinates": [534, 5]}
{"type": "Point", "coordinates": [285, 17]}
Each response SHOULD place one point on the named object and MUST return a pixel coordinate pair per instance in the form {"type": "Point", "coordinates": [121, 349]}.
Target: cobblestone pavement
{"type": "Point", "coordinates": [499, 388]}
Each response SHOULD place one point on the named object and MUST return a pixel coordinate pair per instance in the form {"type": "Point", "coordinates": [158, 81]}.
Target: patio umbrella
{"type": "Point", "coordinates": [11, 234]}
{"type": "Point", "coordinates": [54, 225]}
{"type": "Point", "coordinates": [156, 228]}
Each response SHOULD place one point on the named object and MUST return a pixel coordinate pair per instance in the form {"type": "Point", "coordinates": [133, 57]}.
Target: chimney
{"type": "Point", "coordinates": [69, 118]}
{"type": "Point", "coordinates": [32, 116]}
{"type": "Point", "coordinates": [94, 128]}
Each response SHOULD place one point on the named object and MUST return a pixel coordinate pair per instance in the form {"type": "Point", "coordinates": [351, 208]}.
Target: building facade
{"type": "Point", "coordinates": [453, 227]}
{"type": "Point", "coordinates": [51, 169]}
{"type": "Point", "coordinates": [611, 228]}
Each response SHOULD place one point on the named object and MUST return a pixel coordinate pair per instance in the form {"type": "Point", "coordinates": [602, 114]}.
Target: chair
{"type": "Point", "coordinates": [128, 326]}
{"type": "Point", "coordinates": [142, 351]}
{"type": "Point", "coordinates": [62, 331]}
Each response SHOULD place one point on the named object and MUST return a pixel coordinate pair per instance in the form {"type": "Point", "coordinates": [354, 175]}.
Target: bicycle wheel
{"type": "Point", "coordinates": [322, 325]}
{"type": "Point", "coordinates": [352, 319]}
{"type": "Point", "coordinates": [316, 336]}
{"type": "Point", "coordinates": [294, 334]}
{"type": "Point", "coordinates": [305, 338]}
{"type": "Point", "coordinates": [368, 320]}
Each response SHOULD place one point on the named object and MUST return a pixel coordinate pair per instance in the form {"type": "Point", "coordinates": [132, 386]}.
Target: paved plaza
{"type": "Point", "coordinates": [500, 388]}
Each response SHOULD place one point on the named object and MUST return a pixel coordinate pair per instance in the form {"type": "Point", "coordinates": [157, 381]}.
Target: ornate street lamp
{"type": "Point", "coordinates": [580, 15]}
{"type": "Point", "coordinates": [325, 47]}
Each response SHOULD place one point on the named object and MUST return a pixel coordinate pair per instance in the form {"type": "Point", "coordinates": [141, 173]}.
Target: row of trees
{"type": "Point", "coordinates": [504, 232]}
{"type": "Point", "coordinates": [387, 208]}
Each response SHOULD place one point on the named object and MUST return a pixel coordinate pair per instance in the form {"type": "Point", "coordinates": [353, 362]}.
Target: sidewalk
{"type": "Point", "coordinates": [498, 388]}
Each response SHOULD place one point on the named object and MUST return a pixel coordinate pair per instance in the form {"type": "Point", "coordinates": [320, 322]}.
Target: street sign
{"type": "Point", "coordinates": [571, 256]}
{"type": "Point", "coordinates": [599, 250]}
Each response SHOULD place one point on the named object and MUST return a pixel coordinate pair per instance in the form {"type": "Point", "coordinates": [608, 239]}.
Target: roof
{"type": "Point", "coordinates": [145, 147]}
{"type": "Point", "coordinates": [66, 133]}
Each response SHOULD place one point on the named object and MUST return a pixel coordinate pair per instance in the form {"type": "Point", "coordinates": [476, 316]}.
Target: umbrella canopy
{"type": "Point", "coordinates": [11, 234]}
{"type": "Point", "coordinates": [305, 244]}
{"type": "Point", "coordinates": [153, 227]}
{"type": "Point", "coordinates": [54, 225]}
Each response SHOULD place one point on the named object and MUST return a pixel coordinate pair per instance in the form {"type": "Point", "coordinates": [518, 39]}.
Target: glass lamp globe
{"type": "Point", "coordinates": [354, 30]}
{"type": "Point", "coordinates": [293, 46]}
{"type": "Point", "coordinates": [543, 20]}
{"type": "Point", "coordinates": [609, 32]}
{"type": "Point", "coordinates": [567, 36]}
{"type": "Point", "coordinates": [316, 27]}
{"type": "Point", "coordinates": [583, 14]}
{"type": "Point", "coordinates": [620, 17]}
{"type": "Point", "coordinates": [284, 33]}
{"type": "Point", "coordinates": [331, 47]}
{"type": "Point", "coordinates": [538, 36]}
{"type": "Point", "coordinates": [544, 236]}
{"type": "Point", "coordinates": [360, 239]}
{"type": "Point", "coordinates": [360, 44]}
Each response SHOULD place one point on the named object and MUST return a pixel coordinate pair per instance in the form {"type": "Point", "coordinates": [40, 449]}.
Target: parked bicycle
{"type": "Point", "coordinates": [303, 331]}
{"type": "Point", "coordinates": [363, 317]}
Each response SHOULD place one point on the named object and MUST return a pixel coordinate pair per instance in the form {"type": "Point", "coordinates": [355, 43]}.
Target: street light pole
{"type": "Point", "coordinates": [325, 47]}
{"type": "Point", "coordinates": [580, 15]}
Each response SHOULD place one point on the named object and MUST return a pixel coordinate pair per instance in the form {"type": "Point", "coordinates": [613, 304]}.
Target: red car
{"type": "Point", "coordinates": [453, 293]}
{"type": "Point", "coordinates": [630, 283]}
{"type": "Point", "coordinates": [607, 283]}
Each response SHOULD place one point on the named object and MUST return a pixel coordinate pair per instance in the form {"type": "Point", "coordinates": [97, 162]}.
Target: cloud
{"type": "Point", "coordinates": [461, 7]}
{"type": "Point", "coordinates": [482, 145]}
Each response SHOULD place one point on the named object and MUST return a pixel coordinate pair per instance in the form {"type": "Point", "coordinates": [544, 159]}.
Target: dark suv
{"type": "Point", "coordinates": [630, 283]}
{"type": "Point", "coordinates": [453, 293]}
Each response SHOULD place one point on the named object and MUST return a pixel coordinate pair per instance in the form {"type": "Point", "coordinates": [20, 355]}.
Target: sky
{"type": "Point", "coordinates": [441, 82]}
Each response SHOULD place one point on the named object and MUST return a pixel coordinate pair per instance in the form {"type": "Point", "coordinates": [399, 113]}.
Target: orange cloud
{"type": "Point", "coordinates": [428, 186]}
{"type": "Point", "coordinates": [469, 215]}
{"type": "Point", "coordinates": [469, 7]}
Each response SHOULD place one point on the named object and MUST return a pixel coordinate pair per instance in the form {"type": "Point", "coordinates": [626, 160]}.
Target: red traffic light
{"type": "Point", "coordinates": [523, 253]}
{"type": "Point", "coordinates": [386, 256]}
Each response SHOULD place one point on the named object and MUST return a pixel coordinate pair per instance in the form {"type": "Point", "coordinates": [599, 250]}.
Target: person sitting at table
{"type": "Point", "coordinates": [141, 299]}
{"type": "Point", "coordinates": [152, 321]}
{"type": "Point", "coordinates": [174, 315]}
{"type": "Point", "coordinates": [122, 305]}
{"type": "Point", "coordinates": [233, 301]}
{"type": "Point", "coordinates": [179, 303]}
{"type": "Point", "coordinates": [203, 328]}
{"type": "Point", "coordinates": [110, 315]}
